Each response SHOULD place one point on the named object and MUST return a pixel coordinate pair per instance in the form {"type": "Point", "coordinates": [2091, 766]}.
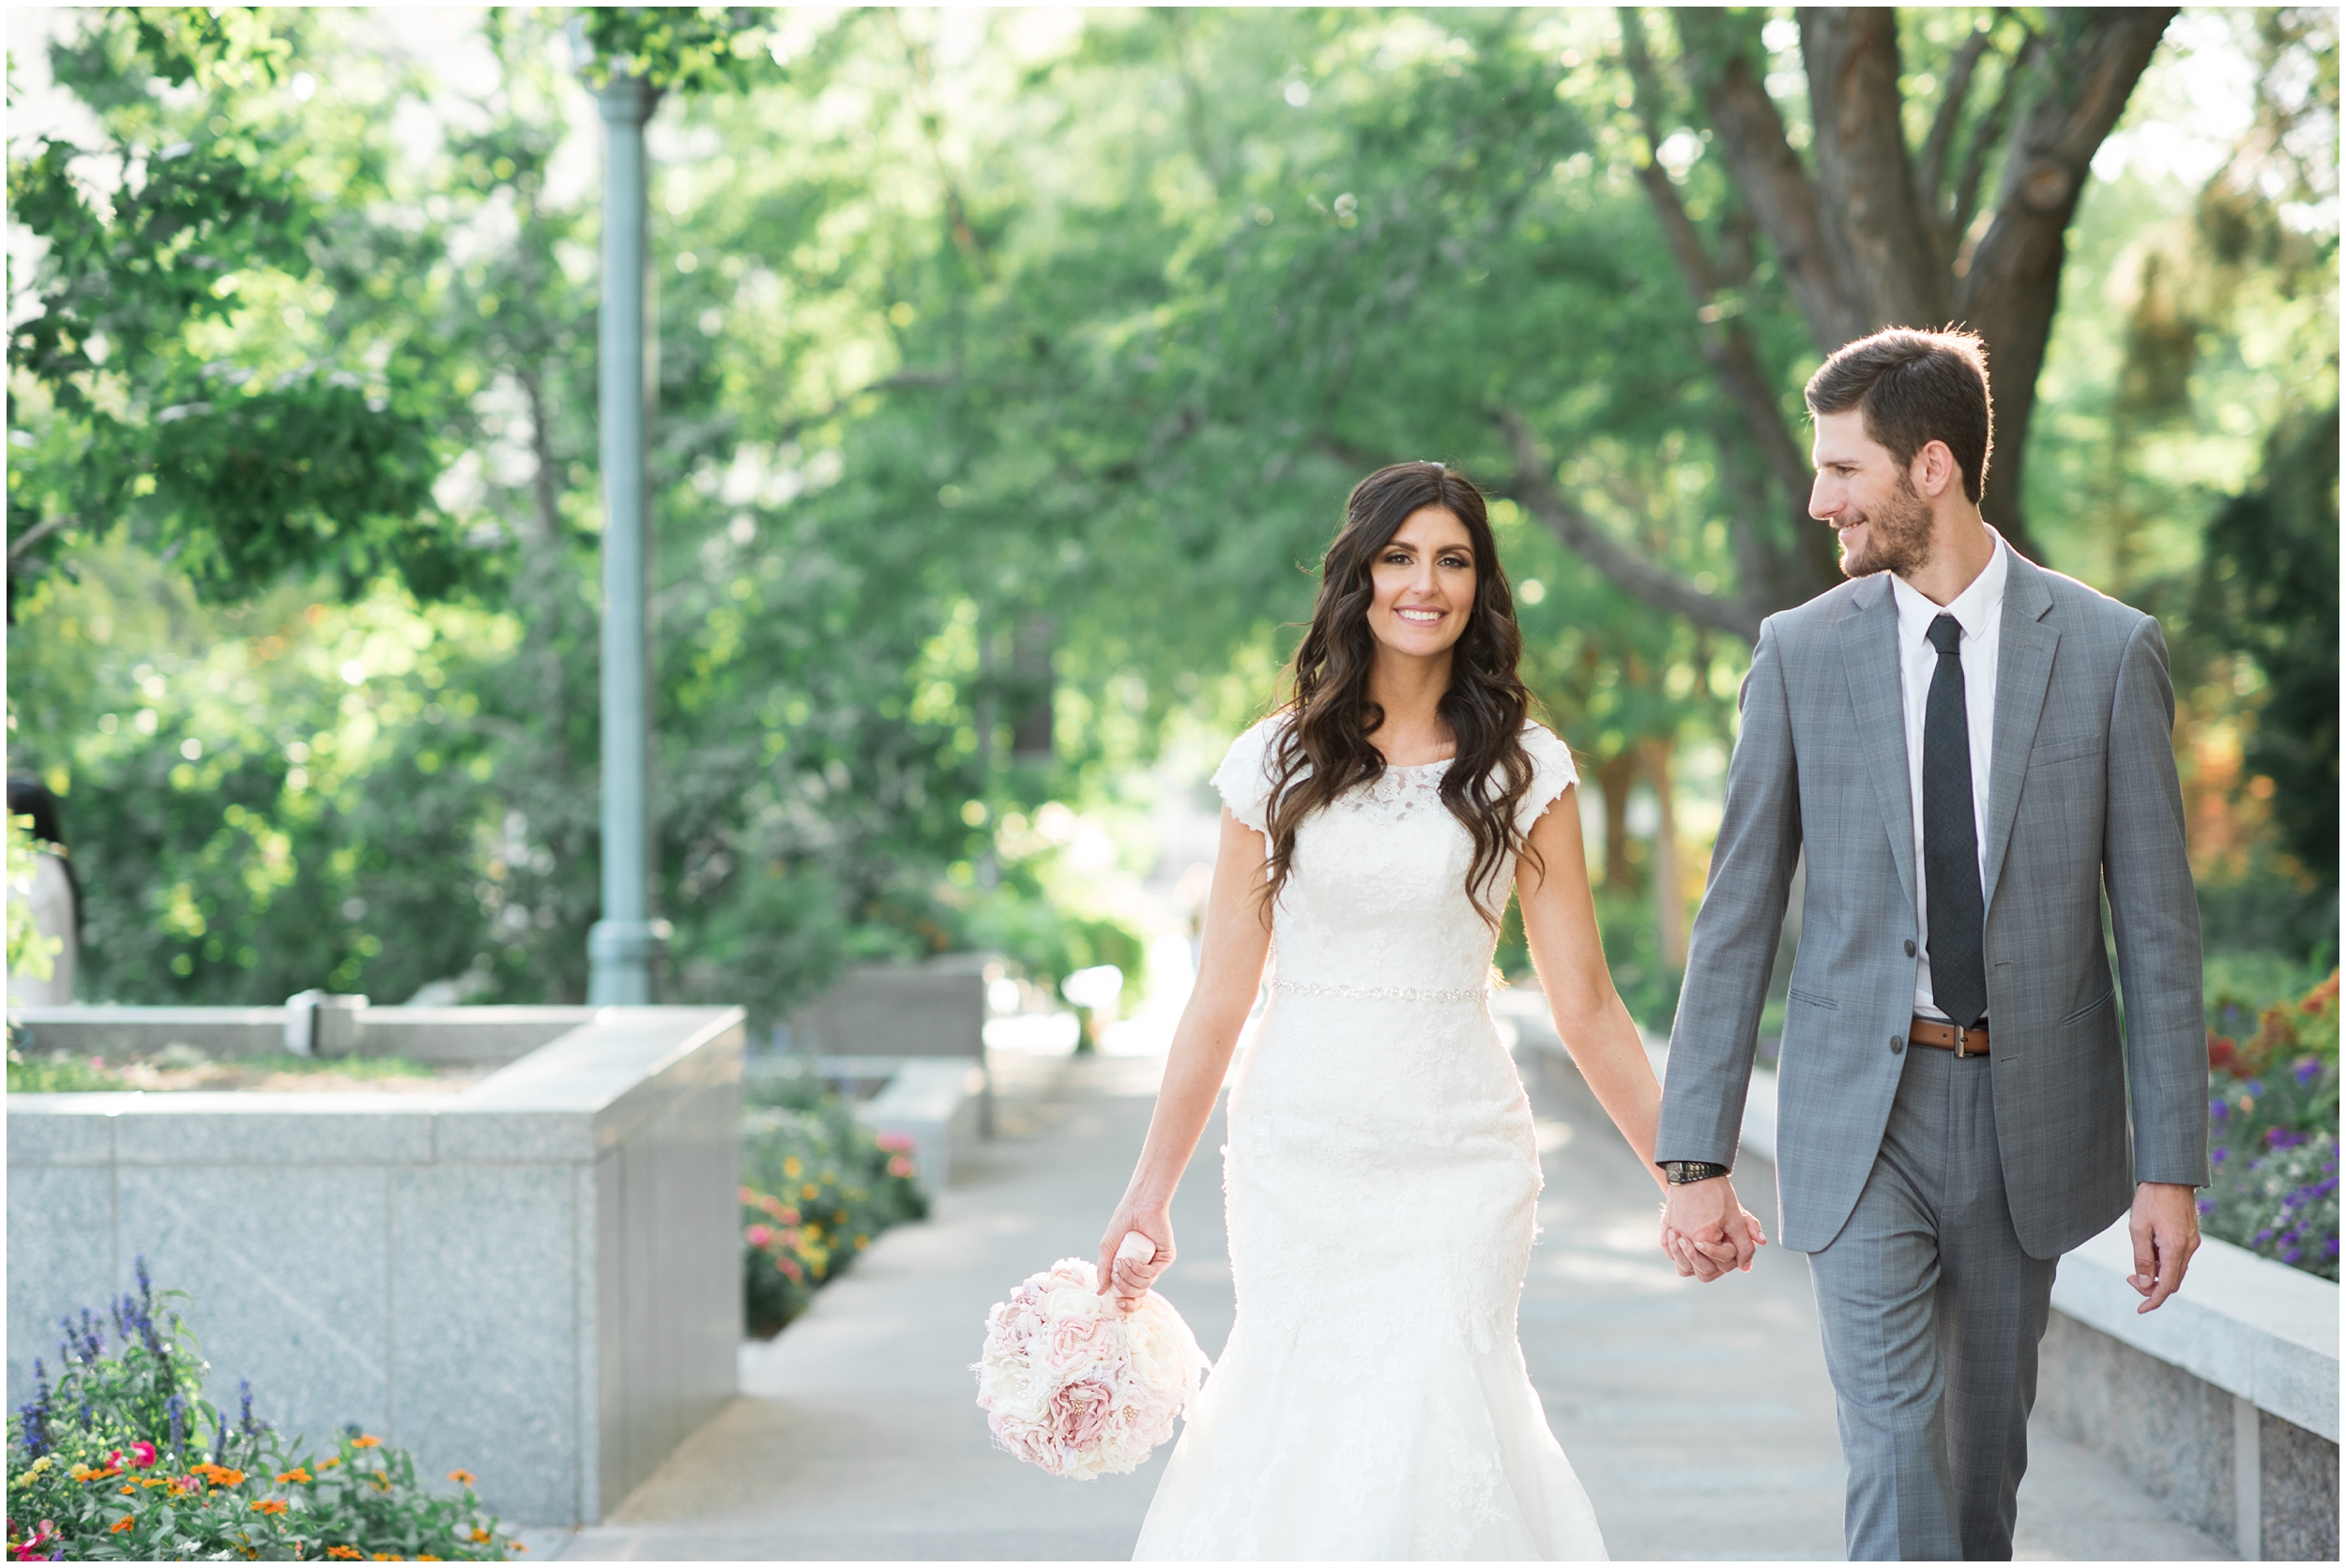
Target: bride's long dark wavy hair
{"type": "Point", "coordinates": [1324, 749]}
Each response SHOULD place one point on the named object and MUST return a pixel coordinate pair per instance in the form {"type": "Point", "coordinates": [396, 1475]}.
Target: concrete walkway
{"type": "Point", "coordinates": [857, 1436]}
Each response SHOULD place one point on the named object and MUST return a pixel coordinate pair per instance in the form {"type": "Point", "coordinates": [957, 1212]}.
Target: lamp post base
{"type": "Point", "coordinates": [620, 955]}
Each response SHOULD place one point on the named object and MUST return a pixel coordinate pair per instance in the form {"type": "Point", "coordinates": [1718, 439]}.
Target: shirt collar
{"type": "Point", "coordinates": [1975, 609]}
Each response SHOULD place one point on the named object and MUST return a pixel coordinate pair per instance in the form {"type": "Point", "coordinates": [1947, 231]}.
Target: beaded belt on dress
{"type": "Point", "coordinates": [1386, 993]}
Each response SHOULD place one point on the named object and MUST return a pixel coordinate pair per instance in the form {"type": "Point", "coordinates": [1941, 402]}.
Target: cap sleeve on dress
{"type": "Point", "coordinates": [1244, 776]}
{"type": "Point", "coordinates": [1552, 773]}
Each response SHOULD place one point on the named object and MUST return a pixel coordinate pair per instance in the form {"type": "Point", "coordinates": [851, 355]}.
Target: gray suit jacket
{"type": "Point", "coordinates": [2081, 798]}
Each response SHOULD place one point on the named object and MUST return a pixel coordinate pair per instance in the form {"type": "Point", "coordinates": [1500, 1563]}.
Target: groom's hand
{"type": "Point", "coordinates": [2166, 1229]}
{"type": "Point", "coordinates": [1706, 1232]}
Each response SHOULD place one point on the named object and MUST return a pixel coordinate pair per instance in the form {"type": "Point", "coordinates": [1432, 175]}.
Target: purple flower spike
{"type": "Point", "coordinates": [2307, 1070]}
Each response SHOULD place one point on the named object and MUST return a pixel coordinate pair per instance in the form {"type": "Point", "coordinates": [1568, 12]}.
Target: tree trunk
{"type": "Point", "coordinates": [1669, 894]}
{"type": "Point", "coordinates": [1614, 778]}
{"type": "Point", "coordinates": [1864, 240]}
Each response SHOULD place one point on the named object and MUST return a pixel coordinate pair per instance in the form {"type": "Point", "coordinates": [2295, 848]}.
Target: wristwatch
{"type": "Point", "coordinates": [1680, 1172]}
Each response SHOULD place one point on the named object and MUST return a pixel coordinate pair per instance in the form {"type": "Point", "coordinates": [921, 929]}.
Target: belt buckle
{"type": "Point", "coordinates": [1962, 1037]}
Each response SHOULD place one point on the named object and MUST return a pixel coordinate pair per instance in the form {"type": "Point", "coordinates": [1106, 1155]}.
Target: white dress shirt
{"type": "Point", "coordinates": [1979, 611]}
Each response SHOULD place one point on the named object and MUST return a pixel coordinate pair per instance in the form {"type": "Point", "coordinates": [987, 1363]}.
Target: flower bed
{"type": "Point", "coordinates": [113, 1463]}
{"type": "Point", "coordinates": [2273, 1130]}
{"type": "Point", "coordinates": [182, 1068]}
{"type": "Point", "coordinates": [816, 1187]}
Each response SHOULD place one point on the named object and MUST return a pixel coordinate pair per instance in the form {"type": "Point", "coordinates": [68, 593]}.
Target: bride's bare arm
{"type": "Point", "coordinates": [1560, 927]}
{"type": "Point", "coordinates": [1229, 971]}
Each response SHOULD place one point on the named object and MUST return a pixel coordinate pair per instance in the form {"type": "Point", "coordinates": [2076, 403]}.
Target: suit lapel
{"type": "Point", "coordinates": [2024, 672]}
{"type": "Point", "coordinates": [1869, 658]}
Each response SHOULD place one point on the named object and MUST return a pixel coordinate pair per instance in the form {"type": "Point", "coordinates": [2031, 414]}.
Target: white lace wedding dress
{"type": "Point", "coordinates": [1382, 1179]}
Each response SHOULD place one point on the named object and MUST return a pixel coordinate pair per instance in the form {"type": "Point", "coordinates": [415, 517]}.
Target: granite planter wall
{"type": "Point", "coordinates": [536, 1278]}
{"type": "Point", "coordinates": [2222, 1404]}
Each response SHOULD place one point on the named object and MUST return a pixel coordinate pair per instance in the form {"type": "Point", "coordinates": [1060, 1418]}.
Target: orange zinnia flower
{"type": "Point", "coordinates": [478, 1534]}
{"type": "Point", "coordinates": [350, 1554]}
{"type": "Point", "coordinates": [120, 1524]}
{"type": "Point", "coordinates": [461, 1478]}
{"type": "Point", "coordinates": [297, 1474]}
{"type": "Point", "coordinates": [329, 1464]}
{"type": "Point", "coordinates": [268, 1506]}
{"type": "Point", "coordinates": [364, 1441]}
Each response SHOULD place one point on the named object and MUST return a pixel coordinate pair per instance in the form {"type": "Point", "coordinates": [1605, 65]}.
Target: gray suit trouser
{"type": "Point", "coordinates": [1932, 1315]}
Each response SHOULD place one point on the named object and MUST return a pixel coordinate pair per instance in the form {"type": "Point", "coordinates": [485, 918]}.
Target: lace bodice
{"type": "Point", "coordinates": [1377, 901]}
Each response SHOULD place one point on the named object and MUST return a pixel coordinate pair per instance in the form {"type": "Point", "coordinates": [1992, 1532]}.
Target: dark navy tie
{"type": "Point", "coordinates": [1958, 968]}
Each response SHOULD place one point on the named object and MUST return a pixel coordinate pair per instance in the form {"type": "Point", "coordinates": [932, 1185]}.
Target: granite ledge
{"type": "Point", "coordinates": [2252, 1327]}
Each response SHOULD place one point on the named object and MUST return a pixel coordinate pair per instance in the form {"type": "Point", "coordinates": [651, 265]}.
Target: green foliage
{"type": "Point", "coordinates": [817, 1187]}
{"type": "Point", "coordinates": [2269, 589]}
{"type": "Point", "coordinates": [124, 1459]}
{"type": "Point", "coordinates": [30, 953]}
{"type": "Point", "coordinates": [175, 385]}
{"type": "Point", "coordinates": [1006, 372]}
{"type": "Point", "coordinates": [62, 1072]}
{"type": "Point", "coordinates": [688, 48]}
{"type": "Point", "coordinates": [59, 1073]}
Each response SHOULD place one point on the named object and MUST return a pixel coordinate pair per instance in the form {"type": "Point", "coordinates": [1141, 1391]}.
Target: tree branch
{"type": "Point", "coordinates": [1764, 166]}
{"type": "Point", "coordinates": [35, 534]}
{"type": "Point", "coordinates": [1632, 572]}
{"type": "Point", "coordinates": [2012, 284]}
{"type": "Point", "coordinates": [1726, 346]}
{"type": "Point", "coordinates": [1883, 244]}
{"type": "Point", "coordinates": [1943, 124]}
{"type": "Point", "coordinates": [1985, 138]}
{"type": "Point", "coordinates": [541, 453]}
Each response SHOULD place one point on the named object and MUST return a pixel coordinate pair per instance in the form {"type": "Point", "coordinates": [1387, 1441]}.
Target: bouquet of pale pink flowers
{"type": "Point", "coordinates": [1072, 1383]}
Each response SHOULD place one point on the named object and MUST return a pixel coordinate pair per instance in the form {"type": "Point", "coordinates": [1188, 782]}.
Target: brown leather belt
{"type": "Point", "coordinates": [1934, 1031]}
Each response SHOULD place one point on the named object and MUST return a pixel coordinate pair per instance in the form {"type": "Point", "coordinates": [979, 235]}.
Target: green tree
{"type": "Point", "coordinates": [186, 366]}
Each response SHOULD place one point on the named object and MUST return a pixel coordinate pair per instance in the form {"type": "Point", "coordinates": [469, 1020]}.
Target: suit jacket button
{"type": "Point", "coordinates": [1910, 950]}
{"type": "Point", "coordinates": [1896, 1045]}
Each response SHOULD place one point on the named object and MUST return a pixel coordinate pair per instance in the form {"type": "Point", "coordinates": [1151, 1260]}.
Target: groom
{"type": "Point", "coordinates": [1970, 750]}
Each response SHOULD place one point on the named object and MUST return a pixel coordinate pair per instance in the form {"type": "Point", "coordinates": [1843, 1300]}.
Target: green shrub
{"type": "Point", "coordinates": [63, 1073]}
{"type": "Point", "coordinates": [124, 1459]}
{"type": "Point", "coordinates": [816, 1187]}
{"type": "Point", "coordinates": [59, 1073]}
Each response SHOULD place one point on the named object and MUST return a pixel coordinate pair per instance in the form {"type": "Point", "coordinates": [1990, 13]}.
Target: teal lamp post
{"type": "Point", "coordinates": [624, 946]}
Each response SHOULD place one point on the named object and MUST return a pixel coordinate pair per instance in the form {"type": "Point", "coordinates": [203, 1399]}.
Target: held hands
{"type": "Point", "coordinates": [1706, 1232]}
{"type": "Point", "coordinates": [1125, 1273]}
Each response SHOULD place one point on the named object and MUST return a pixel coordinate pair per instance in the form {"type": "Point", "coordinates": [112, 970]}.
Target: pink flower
{"type": "Point", "coordinates": [900, 1166]}
{"type": "Point", "coordinates": [1080, 1414]}
{"type": "Point", "coordinates": [1077, 1339]}
{"type": "Point", "coordinates": [758, 1235]}
{"type": "Point", "coordinates": [899, 1143]}
{"type": "Point", "coordinates": [142, 1453]}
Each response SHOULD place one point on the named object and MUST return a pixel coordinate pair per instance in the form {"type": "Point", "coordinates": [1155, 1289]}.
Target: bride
{"type": "Point", "coordinates": [1381, 1175]}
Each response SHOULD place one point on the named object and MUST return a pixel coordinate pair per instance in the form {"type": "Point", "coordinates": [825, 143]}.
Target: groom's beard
{"type": "Point", "coordinates": [1898, 537]}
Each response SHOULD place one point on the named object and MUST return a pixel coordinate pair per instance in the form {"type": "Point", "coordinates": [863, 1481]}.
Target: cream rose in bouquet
{"type": "Point", "coordinates": [1071, 1382]}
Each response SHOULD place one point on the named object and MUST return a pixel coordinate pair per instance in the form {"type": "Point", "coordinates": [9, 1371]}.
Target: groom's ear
{"type": "Point", "coordinates": [1933, 470]}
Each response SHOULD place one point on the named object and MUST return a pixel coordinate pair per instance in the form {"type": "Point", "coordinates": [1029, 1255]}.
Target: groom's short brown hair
{"type": "Point", "coordinates": [1915, 387]}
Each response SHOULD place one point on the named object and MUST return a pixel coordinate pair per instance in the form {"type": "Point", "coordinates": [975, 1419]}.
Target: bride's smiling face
{"type": "Point", "coordinates": [1422, 584]}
